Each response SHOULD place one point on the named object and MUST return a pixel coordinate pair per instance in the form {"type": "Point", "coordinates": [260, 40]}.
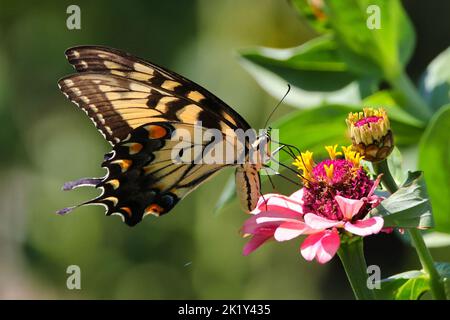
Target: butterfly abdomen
{"type": "Point", "coordinates": [248, 186]}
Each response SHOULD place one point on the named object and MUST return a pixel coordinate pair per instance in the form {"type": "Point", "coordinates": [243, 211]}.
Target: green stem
{"type": "Point", "coordinates": [387, 179]}
{"type": "Point", "coordinates": [413, 102]}
{"type": "Point", "coordinates": [351, 254]}
{"type": "Point", "coordinates": [426, 260]}
{"type": "Point", "coordinates": [436, 285]}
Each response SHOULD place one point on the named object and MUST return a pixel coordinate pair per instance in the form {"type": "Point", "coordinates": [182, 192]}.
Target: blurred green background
{"type": "Point", "coordinates": [190, 253]}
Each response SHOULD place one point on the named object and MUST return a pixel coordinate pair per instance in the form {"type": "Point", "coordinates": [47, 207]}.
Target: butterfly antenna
{"type": "Point", "coordinates": [276, 107]}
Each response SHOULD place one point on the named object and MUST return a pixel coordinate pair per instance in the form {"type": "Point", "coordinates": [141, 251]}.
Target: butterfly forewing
{"type": "Point", "coordinates": [111, 61]}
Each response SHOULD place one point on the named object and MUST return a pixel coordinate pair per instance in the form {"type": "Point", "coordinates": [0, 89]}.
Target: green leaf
{"type": "Point", "coordinates": [443, 268]}
{"type": "Point", "coordinates": [408, 207]}
{"type": "Point", "coordinates": [313, 66]}
{"type": "Point", "coordinates": [312, 129]}
{"type": "Point", "coordinates": [435, 83]}
{"type": "Point", "coordinates": [314, 13]}
{"type": "Point", "coordinates": [410, 285]}
{"type": "Point", "coordinates": [434, 160]}
{"type": "Point", "coordinates": [395, 166]}
{"type": "Point", "coordinates": [372, 51]}
{"type": "Point", "coordinates": [228, 194]}
{"type": "Point", "coordinates": [391, 101]}
{"type": "Point", "coordinates": [314, 70]}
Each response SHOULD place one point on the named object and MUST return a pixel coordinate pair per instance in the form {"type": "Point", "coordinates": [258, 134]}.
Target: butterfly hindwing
{"type": "Point", "coordinates": [143, 177]}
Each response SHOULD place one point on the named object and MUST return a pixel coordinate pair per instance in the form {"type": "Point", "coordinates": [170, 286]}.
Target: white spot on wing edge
{"type": "Point", "coordinates": [68, 82]}
{"type": "Point", "coordinates": [119, 214]}
{"type": "Point", "coordinates": [75, 53]}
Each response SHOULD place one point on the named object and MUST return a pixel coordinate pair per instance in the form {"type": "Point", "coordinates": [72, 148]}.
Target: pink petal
{"type": "Point", "coordinates": [254, 243]}
{"type": "Point", "coordinates": [365, 227]}
{"type": "Point", "coordinates": [268, 218]}
{"type": "Point", "coordinates": [297, 196]}
{"type": "Point", "coordinates": [310, 246]}
{"type": "Point", "coordinates": [290, 230]}
{"type": "Point", "coordinates": [349, 207]}
{"type": "Point", "coordinates": [373, 200]}
{"type": "Point", "coordinates": [320, 223]}
{"type": "Point", "coordinates": [330, 245]}
{"type": "Point", "coordinates": [276, 219]}
{"type": "Point", "coordinates": [260, 229]}
{"type": "Point", "coordinates": [322, 246]}
{"type": "Point", "coordinates": [375, 185]}
{"type": "Point", "coordinates": [277, 202]}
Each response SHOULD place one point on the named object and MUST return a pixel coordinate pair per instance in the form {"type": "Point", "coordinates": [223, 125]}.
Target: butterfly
{"type": "Point", "coordinates": [142, 109]}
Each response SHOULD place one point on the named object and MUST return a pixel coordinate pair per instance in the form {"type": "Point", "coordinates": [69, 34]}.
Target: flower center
{"type": "Point", "coordinates": [367, 120]}
{"type": "Point", "coordinates": [331, 178]}
{"type": "Point", "coordinates": [333, 171]}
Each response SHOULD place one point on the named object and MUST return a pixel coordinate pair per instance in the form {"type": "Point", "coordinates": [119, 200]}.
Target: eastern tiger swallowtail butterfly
{"type": "Point", "coordinates": [139, 107]}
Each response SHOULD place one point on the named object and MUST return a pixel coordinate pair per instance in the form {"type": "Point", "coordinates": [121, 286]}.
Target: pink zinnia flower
{"type": "Point", "coordinates": [336, 198]}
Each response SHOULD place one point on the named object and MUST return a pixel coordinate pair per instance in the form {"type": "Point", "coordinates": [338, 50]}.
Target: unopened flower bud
{"type": "Point", "coordinates": [371, 133]}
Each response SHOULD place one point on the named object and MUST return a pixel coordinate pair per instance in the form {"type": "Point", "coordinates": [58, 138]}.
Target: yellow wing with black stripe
{"type": "Point", "coordinates": [111, 80]}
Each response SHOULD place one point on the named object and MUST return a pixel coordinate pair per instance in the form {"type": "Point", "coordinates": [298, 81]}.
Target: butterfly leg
{"type": "Point", "coordinates": [282, 176]}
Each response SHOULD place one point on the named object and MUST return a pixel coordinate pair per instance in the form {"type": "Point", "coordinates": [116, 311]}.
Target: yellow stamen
{"type": "Point", "coordinates": [332, 151]}
{"type": "Point", "coordinates": [352, 156]}
{"type": "Point", "coordinates": [329, 170]}
{"type": "Point", "coordinates": [305, 163]}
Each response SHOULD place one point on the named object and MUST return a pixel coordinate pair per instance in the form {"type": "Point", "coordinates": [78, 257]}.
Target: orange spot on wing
{"type": "Point", "coordinates": [154, 209]}
{"type": "Point", "coordinates": [156, 132]}
{"type": "Point", "coordinates": [134, 147]}
{"type": "Point", "coordinates": [127, 210]}
{"type": "Point", "coordinates": [114, 182]}
{"type": "Point", "coordinates": [124, 164]}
